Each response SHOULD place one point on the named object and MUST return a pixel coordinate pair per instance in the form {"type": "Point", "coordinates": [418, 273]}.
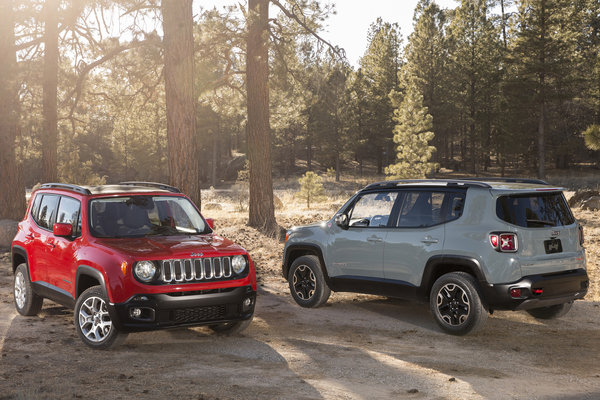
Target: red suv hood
{"type": "Point", "coordinates": [166, 247]}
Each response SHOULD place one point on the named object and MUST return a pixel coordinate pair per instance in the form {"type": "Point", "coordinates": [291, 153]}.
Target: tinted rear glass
{"type": "Point", "coordinates": [534, 210]}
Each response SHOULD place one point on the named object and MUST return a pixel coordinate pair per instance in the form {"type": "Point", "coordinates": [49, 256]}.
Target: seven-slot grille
{"type": "Point", "coordinates": [195, 269]}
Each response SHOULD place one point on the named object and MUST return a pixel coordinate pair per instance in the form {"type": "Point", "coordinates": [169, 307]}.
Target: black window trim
{"type": "Point", "coordinates": [395, 212]}
{"type": "Point", "coordinates": [78, 214]}
{"type": "Point", "coordinates": [43, 194]}
{"type": "Point", "coordinates": [429, 189]}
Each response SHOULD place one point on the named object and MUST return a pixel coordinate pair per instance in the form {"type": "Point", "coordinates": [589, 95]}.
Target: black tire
{"type": "Point", "coordinates": [456, 304]}
{"type": "Point", "coordinates": [26, 301]}
{"type": "Point", "coordinates": [551, 312]}
{"type": "Point", "coordinates": [307, 283]}
{"type": "Point", "coordinates": [93, 323]}
{"type": "Point", "coordinates": [232, 328]}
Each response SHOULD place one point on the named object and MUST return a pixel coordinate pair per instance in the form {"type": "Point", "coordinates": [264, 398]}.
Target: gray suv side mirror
{"type": "Point", "coordinates": [341, 220]}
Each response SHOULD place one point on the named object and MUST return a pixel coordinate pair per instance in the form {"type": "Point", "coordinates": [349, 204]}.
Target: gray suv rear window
{"type": "Point", "coordinates": [534, 210]}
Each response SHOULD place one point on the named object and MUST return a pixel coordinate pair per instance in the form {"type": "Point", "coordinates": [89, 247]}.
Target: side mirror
{"type": "Point", "coordinates": [341, 220]}
{"type": "Point", "coordinates": [211, 223]}
{"type": "Point", "coordinates": [60, 229]}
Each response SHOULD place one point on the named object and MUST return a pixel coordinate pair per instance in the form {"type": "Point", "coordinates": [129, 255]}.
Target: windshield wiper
{"type": "Point", "coordinates": [162, 230]}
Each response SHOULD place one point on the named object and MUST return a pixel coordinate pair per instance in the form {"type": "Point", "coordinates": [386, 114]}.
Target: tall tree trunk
{"type": "Point", "coordinates": [12, 189]}
{"type": "Point", "coordinates": [179, 89]}
{"type": "Point", "coordinates": [261, 212]}
{"type": "Point", "coordinates": [50, 83]}
{"type": "Point", "coordinates": [542, 77]}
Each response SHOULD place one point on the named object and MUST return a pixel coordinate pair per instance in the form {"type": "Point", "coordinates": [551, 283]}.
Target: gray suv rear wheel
{"type": "Point", "coordinates": [456, 304]}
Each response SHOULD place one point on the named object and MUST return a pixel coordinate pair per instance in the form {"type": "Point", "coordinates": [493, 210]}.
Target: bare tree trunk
{"type": "Point", "coordinates": [50, 83]}
{"type": "Point", "coordinates": [542, 122]}
{"type": "Point", "coordinates": [261, 212]}
{"type": "Point", "coordinates": [12, 189]}
{"type": "Point", "coordinates": [541, 143]}
{"type": "Point", "coordinates": [179, 88]}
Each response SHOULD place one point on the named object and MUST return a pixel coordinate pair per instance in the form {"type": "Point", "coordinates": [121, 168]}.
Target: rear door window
{"type": "Point", "coordinates": [422, 208]}
{"type": "Point", "coordinates": [535, 210]}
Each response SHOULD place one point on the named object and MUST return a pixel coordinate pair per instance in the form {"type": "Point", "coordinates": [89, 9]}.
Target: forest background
{"type": "Point", "coordinates": [104, 91]}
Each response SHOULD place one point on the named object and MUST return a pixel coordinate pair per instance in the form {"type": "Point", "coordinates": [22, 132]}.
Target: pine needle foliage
{"type": "Point", "coordinates": [412, 134]}
{"type": "Point", "coordinates": [592, 137]}
{"type": "Point", "coordinates": [311, 188]}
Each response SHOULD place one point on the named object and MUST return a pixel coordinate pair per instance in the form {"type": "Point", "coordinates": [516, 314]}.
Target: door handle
{"type": "Point", "coordinates": [51, 245]}
{"type": "Point", "coordinates": [374, 239]}
{"type": "Point", "coordinates": [429, 240]}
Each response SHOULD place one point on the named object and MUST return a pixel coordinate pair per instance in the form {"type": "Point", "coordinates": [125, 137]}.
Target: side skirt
{"type": "Point", "coordinates": [53, 293]}
{"type": "Point", "coordinates": [380, 287]}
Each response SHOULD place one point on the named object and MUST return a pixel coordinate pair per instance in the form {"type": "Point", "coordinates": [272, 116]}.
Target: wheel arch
{"type": "Point", "coordinates": [18, 257]}
{"type": "Point", "coordinates": [87, 277]}
{"type": "Point", "coordinates": [303, 249]}
{"type": "Point", "coordinates": [442, 264]}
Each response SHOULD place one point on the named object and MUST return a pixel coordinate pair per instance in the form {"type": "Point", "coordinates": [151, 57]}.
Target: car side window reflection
{"type": "Point", "coordinates": [372, 210]}
{"type": "Point", "coordinates": [427, 208]}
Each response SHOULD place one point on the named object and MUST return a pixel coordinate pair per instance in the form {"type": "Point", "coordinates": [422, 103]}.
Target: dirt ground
{"type": "Point", "coordinates": [355, 347]}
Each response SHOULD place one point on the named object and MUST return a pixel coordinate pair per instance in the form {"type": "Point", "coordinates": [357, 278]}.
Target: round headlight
{"type": "Point", "coordinates": [239, 264]}
{"type": "Point", "coordinates": [145, 270]}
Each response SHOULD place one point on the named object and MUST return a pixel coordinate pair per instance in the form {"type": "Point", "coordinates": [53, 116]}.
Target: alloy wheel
{"type": "Point", "coordinates": [20, 289]}
{"type": "Point", "coordinates": [304, 282]}
{"type": "Point", "coordinates": [453, 304]}
{"type": "Point", "coordinates": [94, 319]}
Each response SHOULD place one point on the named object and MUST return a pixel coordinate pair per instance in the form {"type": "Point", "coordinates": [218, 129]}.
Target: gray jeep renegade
{"type": "Point", "coordinates": [469, 247]}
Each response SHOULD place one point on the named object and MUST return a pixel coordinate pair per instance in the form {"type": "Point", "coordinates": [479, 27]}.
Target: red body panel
{"type": "Point", "coordinates": [54, 260]}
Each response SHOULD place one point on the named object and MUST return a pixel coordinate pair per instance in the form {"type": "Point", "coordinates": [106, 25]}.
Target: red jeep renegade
{"type": "Point", "coordinates": [130, 257]}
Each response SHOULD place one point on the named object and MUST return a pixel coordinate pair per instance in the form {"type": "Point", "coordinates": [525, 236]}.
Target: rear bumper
{"type": "Point", "coordinates": [556, 288]}
{"type": "Point", "coordinates": [169, 310]}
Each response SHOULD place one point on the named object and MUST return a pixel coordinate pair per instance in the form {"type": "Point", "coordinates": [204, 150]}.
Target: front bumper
{"type": "Point", "coordinates": [556, 288]}
{"type": "Point", "coordinates": [169, 310]}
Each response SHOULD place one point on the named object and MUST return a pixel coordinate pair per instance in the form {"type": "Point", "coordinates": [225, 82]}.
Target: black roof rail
{"type": "Point", "coordinates": [152, 184]}
{"type": "Point", "coordinates": [73, 188]}
{"type": "Point", "coordinates": [508, 180]}
{"type": "Point", "coordinates": [449, 182]}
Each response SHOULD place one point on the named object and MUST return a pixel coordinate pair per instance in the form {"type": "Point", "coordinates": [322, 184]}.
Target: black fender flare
{"type": "Point", "coordinates": [469, 264]}
{"type": "Point", "coordinates": [22, 252]}
{"type": "Point", "coordinates": [313, 248]}
{"type": "Point", "coordinates": [86, 270]}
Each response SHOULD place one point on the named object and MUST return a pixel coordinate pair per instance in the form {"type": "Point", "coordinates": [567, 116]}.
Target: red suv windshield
{"type": "Point", "coordinates": [136, 216]}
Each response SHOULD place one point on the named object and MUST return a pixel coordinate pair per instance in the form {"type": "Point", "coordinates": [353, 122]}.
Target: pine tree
{"type": "Point", "coordinates": [412, 134]}
{"type": "Point", "coordinates": [380, 66]}
{"type": "Point", "coordinates": [311, 188]}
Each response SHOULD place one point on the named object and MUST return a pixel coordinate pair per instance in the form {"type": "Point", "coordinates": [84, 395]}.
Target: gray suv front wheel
{"type": "Point", "coordinates": [307, 283]}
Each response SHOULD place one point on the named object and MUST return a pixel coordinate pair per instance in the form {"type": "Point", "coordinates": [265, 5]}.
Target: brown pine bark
{"type": "Point", "coordinates": [261, 212]}
{"type": "Point", "coordinates": [49, 87]}
{"type": "Point", "coordinates": [179, 88]}
{"type": "Point", "coordinates": [12, 189]}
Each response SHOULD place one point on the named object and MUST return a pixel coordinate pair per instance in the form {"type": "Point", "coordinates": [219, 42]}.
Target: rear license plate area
{"type": "Point", "coordinates": [553, 246]}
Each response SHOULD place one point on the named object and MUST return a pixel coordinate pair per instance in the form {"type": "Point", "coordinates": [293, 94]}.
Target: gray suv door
{"type": "Point", "coordinates": [358, 250]}
{"type": "Point", "coordinates": [419, 232]}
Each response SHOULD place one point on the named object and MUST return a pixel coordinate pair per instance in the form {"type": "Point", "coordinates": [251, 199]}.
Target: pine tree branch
{"type": "Point", "coordinates": [292, 15]}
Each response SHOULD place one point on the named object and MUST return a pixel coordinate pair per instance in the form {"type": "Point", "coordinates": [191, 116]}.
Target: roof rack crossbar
{"type": "Point", "coordinates": [152, 184]}
{"type": "Point", "coordinates": [73, 188]}
{"type": "Point", "coordinates": [508, 180]}
{"type": "Point", "coordinates": [386, 184]}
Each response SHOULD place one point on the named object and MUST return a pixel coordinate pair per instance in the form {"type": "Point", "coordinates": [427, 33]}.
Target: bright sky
{"type": "Point", "coordinates": [348, 28]}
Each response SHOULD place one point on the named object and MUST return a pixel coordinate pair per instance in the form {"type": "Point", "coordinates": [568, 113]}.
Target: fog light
{"type": "Point", "coordinates": [135, 312]}
{"type": "Point", "coordinates": [515, 293]}
{"type": "Point", "coordinates": [246, 304]}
